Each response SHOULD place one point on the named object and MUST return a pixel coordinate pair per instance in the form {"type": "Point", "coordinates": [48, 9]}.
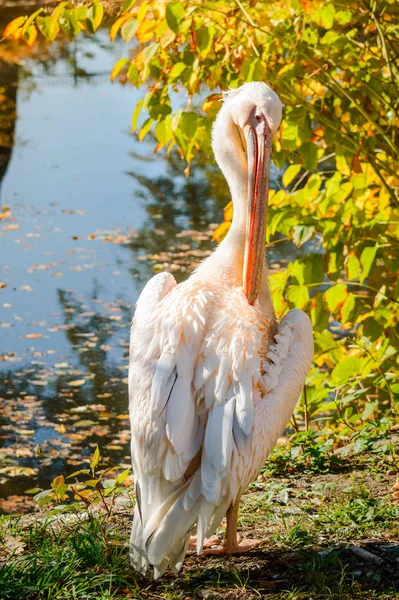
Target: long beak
{"type": "Point", "coordinates": [258, 153]}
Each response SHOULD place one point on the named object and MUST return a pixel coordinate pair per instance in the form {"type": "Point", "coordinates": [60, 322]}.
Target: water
{"type": "Point", "coordinates": [87, 208]}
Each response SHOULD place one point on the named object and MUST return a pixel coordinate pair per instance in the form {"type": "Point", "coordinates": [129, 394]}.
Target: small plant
{"type": "Point", "coordinates": [307, 452]}
{"type": "Point", "coordinates": [97, 488]}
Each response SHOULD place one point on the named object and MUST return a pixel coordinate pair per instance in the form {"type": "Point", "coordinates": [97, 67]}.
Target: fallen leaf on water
{"type": "Point", "coordinates": [15, 471]}
{"type": "Point", "coordinates": [25, 288]}
{"type": "Point", "coordinates": [33, 490]}
{"type": "Point", "coordinates": [2, 284]}
{"type": "Point", "coordinates": [77, 382]}
{"type": "Point", "coordinates": [33, 336]}
{"type": "Point", "coordinates": [60, 428]}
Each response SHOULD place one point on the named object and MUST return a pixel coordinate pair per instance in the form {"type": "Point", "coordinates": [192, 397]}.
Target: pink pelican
{"type": "Point", "coordinates": [213, 378]}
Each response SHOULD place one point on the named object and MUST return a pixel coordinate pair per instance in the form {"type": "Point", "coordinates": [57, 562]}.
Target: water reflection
{"type": "Point", "coordinates": [91, 214]}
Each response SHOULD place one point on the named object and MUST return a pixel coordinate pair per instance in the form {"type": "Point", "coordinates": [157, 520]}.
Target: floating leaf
{"type": "Point", "coordinates": [77, 382]}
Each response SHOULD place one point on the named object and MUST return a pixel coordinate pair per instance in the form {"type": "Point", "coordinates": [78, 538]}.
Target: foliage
{"type": "Point", "coordinates": [306, 523]}
{"type": "Point", "coordinates": [334, 65]}
{"type": "Point", "coordinates": [97, 488]}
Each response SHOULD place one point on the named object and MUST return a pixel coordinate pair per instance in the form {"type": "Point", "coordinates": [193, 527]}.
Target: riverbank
{"type": "Point", "coordinates": [328, 535]}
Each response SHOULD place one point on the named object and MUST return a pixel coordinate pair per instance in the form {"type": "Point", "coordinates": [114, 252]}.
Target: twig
{"type": "Point", "coordinates": [366, 555]}
{"type": "Point", "coordinates": [244, 12]}
{"type": "Point", "coordinates": [305, 402]}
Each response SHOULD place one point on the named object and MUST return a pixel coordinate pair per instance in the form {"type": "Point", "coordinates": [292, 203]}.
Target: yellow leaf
{"type": "Point", "coordinates": [220, 232]}
{"type": "Point", "coordinates": [228, 212]}
{"type": "Point", "coordinates": [77, 382]}
{"type": "Point", "coordinates": [33, 336]}
{"type": "Point", "coordinates": [118, 66]}
{"type": "Point", "coordinates": [145, 32]}
{"type": "Point", "coordinates": [31, 36]}
{"type": "Point", "coordinates": [60, 428]}
{"type": "Point", "coordinates": [58, 481]}
{"type": "Point", "coordinates": [13, 26]}
{"type": "Point", "coordinates": [117, 25]}
{"type": "Point", "coordinates": [210, 101]}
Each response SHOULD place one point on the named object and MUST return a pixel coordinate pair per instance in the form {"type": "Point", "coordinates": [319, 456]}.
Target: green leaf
{"type": "Point", "coordinates": [43, 25]}
{"type": "Point", "coordinates": [163, 131]}
{"type": "Point", "coordinates": [149, 51]}
{"type": "Point", "coordinates": [145, 128]}
{"type": "Point", "coordinates": [129, 29]}
{"type": "Point", "coordinates": [290, 136]}
{"type": "Point", "coordinates": [309, 156]}
{"type": "Point", "coordinates": [348, 308]}
{"type": "Point", "coordinates": [95, 459]}
{"type": "Point", "coordinates": [343, 17]}
{"type": "Point", "coordinates": [80, 472]}
{"type": "Point", "coordinates": [30, 20]}
{"type": "Point", "coordinates": [325, 16]}
{"type": "Point", "coordinates": [177, 70]}
{"type": "Point", "coordinates": [290, 174]}
{"type": "Point", "coordinates": [314, 268]}
{"type": "Point", "coordinates": [188, 124]}
{"type": "Point", "coordinates": [298, 295]}
{"type": "Point", "coordinates": [335, 296]}
{"type": "Point", "coordinates": [94, 16]}
{"type": "Point", "coordinates": [346, 369]}
{"type": "Point", "coordinates": [42, 495]}
{"type": "Point", "coordinates": [366, 260]}
{"type": "Point", "coordinates": [319, 313]}
{"type": "Point", "coordinates": [128, 4]}
{"type": "Point", "coordinates": [136, 114]}
{"type": "Point", "coordinates": [121, 478]}
{"type": "Point", "coordinates": [204, 39]}
{"type": "Point", "coordinates": [368, 410]}
{"type": "Point", "coordinates": [174, 15]}
{"type": "Point", "coordinates": [352, 266]}
{"type": "Point", "coordinates": [301, 234]}
{"type": "Point", "coordinates": [118, 67]}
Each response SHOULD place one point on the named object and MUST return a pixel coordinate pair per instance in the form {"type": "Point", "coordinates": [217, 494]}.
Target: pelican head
{"type": "Point", "coordinates": [252, 114]}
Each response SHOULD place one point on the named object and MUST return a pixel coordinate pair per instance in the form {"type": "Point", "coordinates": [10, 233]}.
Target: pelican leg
{"type": "Point", "coordinates": [233, 544]}
{"type": "Point", "coordinates": [209, 543]}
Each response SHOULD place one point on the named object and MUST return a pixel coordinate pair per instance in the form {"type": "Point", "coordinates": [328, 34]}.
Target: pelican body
{"type": "Point", "coordinates": [213, 379]}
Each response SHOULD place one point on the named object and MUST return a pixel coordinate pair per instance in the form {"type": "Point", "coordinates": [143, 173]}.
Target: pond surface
{"type": "Point", "coordinates": [88, 214]}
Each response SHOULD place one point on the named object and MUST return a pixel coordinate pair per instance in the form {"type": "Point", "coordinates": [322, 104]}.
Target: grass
{"type": "Point", "coordinates": [308, 522]}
